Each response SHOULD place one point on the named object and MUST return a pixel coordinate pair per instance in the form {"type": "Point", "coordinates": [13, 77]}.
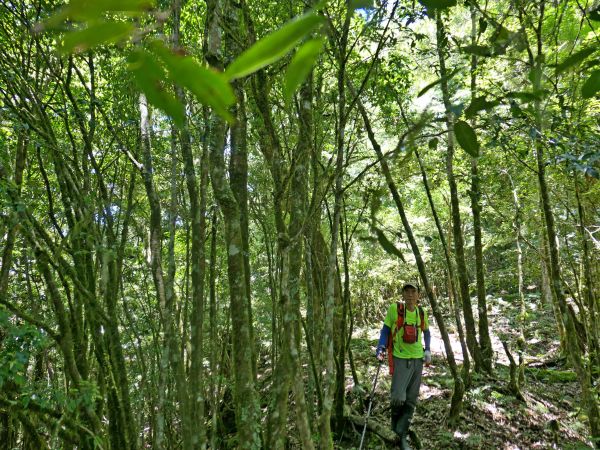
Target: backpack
{"type": "Point", "coordinates": [401, 316]}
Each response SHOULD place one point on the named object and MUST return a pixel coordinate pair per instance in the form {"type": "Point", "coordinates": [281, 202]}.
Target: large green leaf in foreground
{"type": "Point", "coordinates": [274, 46]}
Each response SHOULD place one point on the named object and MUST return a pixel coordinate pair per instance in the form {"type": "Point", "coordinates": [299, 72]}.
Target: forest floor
{"type": "Point", "coordinates": [550, 418]}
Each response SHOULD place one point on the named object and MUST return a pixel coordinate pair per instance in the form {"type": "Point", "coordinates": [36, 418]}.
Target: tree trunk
{"type": "Point", "coordinates": [485, 342]}
{"type": "Point", "coordinates": [328, 384]}
{"type": "Point", "coordinates": [521, 339]}
{"type": "Point", "coordinates": [463, 278]}
{"type": "Point", "coordinates": [342, 347]}
{"type": "Point", "coordinates": [298, 200]}
{"type": "Point", "coordinates": [156, 268]}
{"type": "Point", "coordinates": [454, 412]}
{"type": "Point", "coordinates": [588, 288]}
{"type": "Point", "coordinates": [213, 330]}
{"type": "Point", "coordinates": [283, 371]}
{"type": "Point", "coordinates": [197, 197]}
{"type": "Point", "coordinates": [245, 395]}
{"type": "Point", "coordinates": [247, 410]}
{"type": "Point", "coordinates": [238, 159]}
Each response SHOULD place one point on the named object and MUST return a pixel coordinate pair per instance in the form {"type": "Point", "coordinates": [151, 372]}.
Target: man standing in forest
{"type": "Point", "coordinates": [404, 329]}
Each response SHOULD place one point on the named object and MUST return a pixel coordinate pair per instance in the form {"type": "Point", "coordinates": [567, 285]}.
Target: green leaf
{"type": "Point", "coordinates": [208, 86]}
{"type": "Point", "coordinates": [387, 245]}
{"type": "Point", "coordinates": [515, 110]}
{"type": "Point", "coordinates": [482, 25]}
{"type": "Point", "coordinates": [437, 4]}
{"type": "Point", "coordinates": [149, 76]}
{"type": "Point", "coordinates": [478, 50]}
{"type": "Point", "coordinates": [301, 65]}
{"type": "Point", "coordinates": [595, 14]}
{"type": "Point", "coordinates": [95, 35]}
{"type": "Point", "coordinates": [433, 143]}
{"type": "Point", "coordinates": [574, 59]}
{"type": "Point", "coordinates": [501, 39]}
{"type": "Point", "coordinates": [90, 10]}
{"type": "Point", "coordinates": [592, 85]}
{"type": "Point", "coordinates": [466, 137]}
{"type": "Point", "coordinates": [501, 36]}
{"type": "Point", "coordinates": [436, 82]}
{"type": "Point", "coordinates": [478, 104]}
{"type": "Point", "coordinates": [523, 96]}
{"type": "Point", "coordinates": [272, 47]}
{"type": "Point", "coordinates": [360, 4]}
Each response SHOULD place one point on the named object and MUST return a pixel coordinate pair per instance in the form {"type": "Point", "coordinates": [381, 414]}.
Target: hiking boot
{"type": "Point", "coordinates": [403, 424]}
{"type": "Point", "coordinates": [395, 418]}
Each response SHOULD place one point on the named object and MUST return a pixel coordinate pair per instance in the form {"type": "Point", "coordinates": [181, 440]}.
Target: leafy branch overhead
{"type": "Point", "coordinates": [156, 67]}
{"type": "Point", "coordinates": [387, 245]}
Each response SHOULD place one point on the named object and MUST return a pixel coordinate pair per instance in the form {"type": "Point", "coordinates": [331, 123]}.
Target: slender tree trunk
{"type": "Point", "coordinates": [451, 284]}
{"type": "Point", "coordinates": [197, 195]}
{"type": "Point", "coordinates": [9, 243]}
{"type": "Point", "coordinates": [485, 342]}
{"type": "Point", "coordinates": [463, 279]}
{"type": "Point", "coordinates": [328, 385]}
{"type": "Point", "coordinates": [521, 339]}
{"type": "Point", "coordinates": [238, 160]}
{"type": "Point", "coordinates": [588, 288]}
{"type": "Point", "coordinates": [247, 410]}
{"type": "Point", "coordinates": [245, 395]}
{"type": "Point", "coordinates": [316, 263]}
{"type": "Point", "coordinates": [213, 329]}
{"type": "Point", "coordinates": [156, 268]}
{"type": "Point", "coordinates": [170, 357]}
{"type": "Point", "coordinates": [298, 201]}
{"type": "Point", "coordinates": [341, 340]}
{"type": "Point", "coordinates": [8, 431]}
{"type": "Point", "coordinates": [547, 295]}
{"type": "Point", "coordinates": [283, 371]}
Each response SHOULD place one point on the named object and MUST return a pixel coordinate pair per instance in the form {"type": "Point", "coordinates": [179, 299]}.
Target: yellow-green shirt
{"type": "Point", "coordinates": [402, 349]}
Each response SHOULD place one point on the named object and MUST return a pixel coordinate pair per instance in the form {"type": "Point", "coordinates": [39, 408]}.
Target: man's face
{"type": "Point", "coordinates": [410, 296]}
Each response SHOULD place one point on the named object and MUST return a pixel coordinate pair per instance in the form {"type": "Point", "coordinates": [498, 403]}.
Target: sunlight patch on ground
{"type": "Point", "coordinates": [459, 435]}
{"type": "Point", "coordinates": [428, 391]}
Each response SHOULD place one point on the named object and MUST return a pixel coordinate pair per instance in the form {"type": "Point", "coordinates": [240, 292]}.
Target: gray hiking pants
{"type": "Point", "coordinates": [406, 382]}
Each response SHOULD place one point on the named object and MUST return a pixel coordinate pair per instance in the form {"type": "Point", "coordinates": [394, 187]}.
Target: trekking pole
{"type": "Point", "coordinates": [362, 438]}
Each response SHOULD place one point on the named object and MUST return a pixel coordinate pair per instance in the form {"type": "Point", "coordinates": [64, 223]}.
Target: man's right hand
{"type": "Point", "coordinates": [380, 353]}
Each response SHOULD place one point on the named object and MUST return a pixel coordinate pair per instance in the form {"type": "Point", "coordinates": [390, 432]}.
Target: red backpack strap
{"type": "Point", "coordinates": [392, 336]}
{"type": "Point", "coordinates": [400, 315]}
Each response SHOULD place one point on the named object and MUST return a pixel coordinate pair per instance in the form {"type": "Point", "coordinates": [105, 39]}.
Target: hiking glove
{"type": "Point", "coordinates": [380, 353]}
{"type": "Point", "coordinates": [427, 357]}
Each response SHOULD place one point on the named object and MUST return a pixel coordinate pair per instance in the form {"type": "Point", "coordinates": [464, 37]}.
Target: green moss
{"type": "Point", "coordinates": [552, 375]}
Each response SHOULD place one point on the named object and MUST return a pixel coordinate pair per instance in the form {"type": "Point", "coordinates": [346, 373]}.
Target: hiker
{"type": "Point", "coordinates": [404, 331]}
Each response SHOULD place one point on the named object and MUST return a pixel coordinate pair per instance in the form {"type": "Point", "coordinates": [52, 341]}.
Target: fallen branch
{"type": "Point", "coordinates": [383, 431]}
{"type": "Point", "coordinates": [551, 363]}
